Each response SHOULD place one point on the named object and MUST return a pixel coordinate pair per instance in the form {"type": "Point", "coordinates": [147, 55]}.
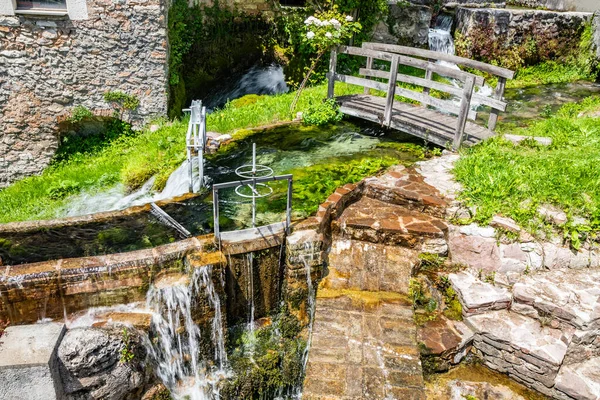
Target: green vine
{"type": "Point", "coordinates": [127, 354]}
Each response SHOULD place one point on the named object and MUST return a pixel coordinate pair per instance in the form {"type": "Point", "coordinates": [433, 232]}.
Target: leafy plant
{"type": "Point", "coordinates": [79, 113]}
{"type": "Point", "coordinates": [127, 354]}
{"type": "Point", "coordinates": [63, 189]}
{"type": "Point", "coordinates": [322, 113]}
{"type": "Point", "coordinates": [121, 101]}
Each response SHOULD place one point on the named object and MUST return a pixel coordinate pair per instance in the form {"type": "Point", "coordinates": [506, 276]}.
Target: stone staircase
{"type": "Point", "coordinates": [543, 331]}
{"type": "Point", "coordinates": [364, 338]}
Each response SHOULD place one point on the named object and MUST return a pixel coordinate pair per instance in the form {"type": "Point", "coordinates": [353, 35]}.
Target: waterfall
{"type": "Point", "coordinates": [309, 249]}
{"type": "Point", "coordinates": [258, 80]}
{"type": "Point", "coordinates": [440, 37]}
{"type": "Point", "coordinates": [176, 349]}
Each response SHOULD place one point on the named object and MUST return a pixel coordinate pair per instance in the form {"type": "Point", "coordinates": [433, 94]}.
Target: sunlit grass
{"type": "Point", "coordinates": [513, 180]}
{"type": "Point", "coordinates": [133, 159]}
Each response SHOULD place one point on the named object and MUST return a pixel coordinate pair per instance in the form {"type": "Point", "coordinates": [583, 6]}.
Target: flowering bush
{"type": "Point", "coordinates": [328, 29]}
{"type": "Point", "coordinates": [324, 31]}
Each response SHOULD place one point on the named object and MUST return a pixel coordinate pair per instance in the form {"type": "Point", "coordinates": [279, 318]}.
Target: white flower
{"type": "Point", "coordinates": [325, 23]}
{"type": "Point", "coordinates": [310, 35]}
{"type": "Point", "coordinates": [336, 24]}
{"type": "Point", "coordinates": [328, 35]}
{"type": "Point", "coordinates": [311, 21]}
{"type": "Point", "coordinates": [349, 18]}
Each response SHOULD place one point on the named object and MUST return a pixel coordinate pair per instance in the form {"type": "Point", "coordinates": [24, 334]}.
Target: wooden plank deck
{"type": "Point", "coordinates": [428, 124]}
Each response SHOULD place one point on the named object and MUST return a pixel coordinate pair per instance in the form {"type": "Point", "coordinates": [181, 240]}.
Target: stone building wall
{"type": "Point", "coordinates": [50, 64]}
{"type": "Point", "coordinates": [559, 5]}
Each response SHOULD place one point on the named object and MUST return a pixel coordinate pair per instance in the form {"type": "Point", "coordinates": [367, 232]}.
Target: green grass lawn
{"type": "Point", "coordinates": [513, 180]}
{"type": "Point", "coordinates": [133, 159]}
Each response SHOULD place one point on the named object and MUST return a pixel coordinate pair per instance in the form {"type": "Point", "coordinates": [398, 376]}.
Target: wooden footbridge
{"type": "Point", "coordinates": [436, 119]}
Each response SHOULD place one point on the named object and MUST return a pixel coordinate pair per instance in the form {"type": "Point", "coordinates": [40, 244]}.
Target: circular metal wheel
{"type": "Point", "coordinates": [256, 194]}
{"type": "Point", "coordinates": [261, 171]}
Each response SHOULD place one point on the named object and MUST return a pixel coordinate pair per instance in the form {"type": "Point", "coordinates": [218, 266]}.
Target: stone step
{"type": "Point", "coordinates": [406, 187]}
{"type": "Point", "coordinates": [580, 381]}
{"type": "Point", "coordinates": [376, 221]}
{"type": "Point", "coordinates": [363, 347]}
{"type": "Point", "coordinates": [519, 346]}
{"type": "Point", "coordinates": [476, 296]}
{"type": "Point", "coordinates": [560, 297]}
{"type": "Point", "coordinates": [359, 265]}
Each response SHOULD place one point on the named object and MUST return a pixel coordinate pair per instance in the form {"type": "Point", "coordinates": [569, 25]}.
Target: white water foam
{"type": "Point", "coordinates": [176, 348]}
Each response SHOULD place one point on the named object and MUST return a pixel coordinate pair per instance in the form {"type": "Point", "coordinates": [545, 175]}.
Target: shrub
{"type": "Point", "coordinates": [322, 113]}
{"type": "Point", "coordinates": [79, 113]}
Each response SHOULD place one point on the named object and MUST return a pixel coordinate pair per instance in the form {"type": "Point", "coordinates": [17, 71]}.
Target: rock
{"type": "Point", "coordinates": [476, 252]}
{"type": "Point", "coordinates": [461, 390]}
{"type": "Point", "coordinates": [580, 381]}
{"type": "Point", "coordinates": [553, 214]}
{"type": "Point", "coordinates": [92, 368]}
{"type": "Point", "coordinates": [520, 336]}
{"type": "Point", "coordinates": [223, 138]}
{"type": "Point", "coordinates": [437, 246]}
{"type": "Point", "coordinates": [437, 172]}
{"type": "Point", "coordinates": [154, 127]}
{"type": "Point", "coordinates": [476, 296]}
{"type": "Point", "coordinates": [573, 297]}
{"type": "Point", "coordinates": [504, 223]}
{"type": "Point", "coordinates": [476, 230]}
{"type": "Point", "coordinates": [444, 342]}
{"type": "Point", "coordinates": [557, 257]}
{"type": "Point", "coordinates": [516, 139]}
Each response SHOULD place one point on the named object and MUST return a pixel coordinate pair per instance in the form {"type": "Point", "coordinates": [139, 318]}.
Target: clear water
{"type": "Point", "coordinates": [285, 149]}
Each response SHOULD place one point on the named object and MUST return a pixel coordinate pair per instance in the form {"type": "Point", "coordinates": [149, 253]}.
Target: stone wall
{"type": "Point", "coordinates": [516, 23]}
{"type": "Point", "coordinates": [50, 64]}
{"type": "Point", "coordinates": [596, 34]}
{"type": "Point", "coordinates": [558, 5]}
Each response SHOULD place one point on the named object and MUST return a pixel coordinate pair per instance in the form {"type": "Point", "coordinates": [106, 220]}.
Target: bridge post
{"type": "Point", "coordinates": [498, 94]}
{"type": "Point", "coordinates": [331, 75]}
{"type": "Point", "coordinates": [389, 102]}
{"type": "Point", "coordinates": [465, 106]}
{"type": "Point", "coordinates": [369, 66]}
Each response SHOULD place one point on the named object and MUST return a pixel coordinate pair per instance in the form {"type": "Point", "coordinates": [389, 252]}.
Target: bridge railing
{"type": "Point", "coordinates": [465, 93]}
{"type": "Point", "coordinates": [502, 74]}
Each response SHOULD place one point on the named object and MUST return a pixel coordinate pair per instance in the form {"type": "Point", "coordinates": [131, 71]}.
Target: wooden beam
{"type": "Point", "coordinates": [436, 55]}
{"type": "Point", "coordinates": [331, 75]}
{"type": "Point", "coordinates": [355, 80]}
{"type": "Point", "coordinates": [498, 94]}
{"type": "Point", "coordinates": [442, 87]}
{"type": "Point", "coordinates": [413, 62]}
{"type": "Point", "coordinates": [369, 66]}
{"type": "Point", "coordinates": [389, 103]}
{"type": "Point", "coordinates": [465, 106]}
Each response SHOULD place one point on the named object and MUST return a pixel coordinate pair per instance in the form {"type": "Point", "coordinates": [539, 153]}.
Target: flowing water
{"type": "Point", "coordinates": [288, 149]}
{"type": "Point", "coordinates": [257, 80]}
{"type": "Point", "coordinates": [176, 346]}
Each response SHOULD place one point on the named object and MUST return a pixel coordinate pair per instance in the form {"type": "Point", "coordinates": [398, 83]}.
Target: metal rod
{"type": "Point", "coordinates": [288, 214]}
{"type": "Point", "coordinates": [168, 220]}
{"type": "Point", "coordinates": [216, 211]}
{"type": "Point", "coordinates": [244, 182]}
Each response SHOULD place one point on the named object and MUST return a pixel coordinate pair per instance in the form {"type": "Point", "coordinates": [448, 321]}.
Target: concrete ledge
{"type": "Point", "coordinates": [28, 362]}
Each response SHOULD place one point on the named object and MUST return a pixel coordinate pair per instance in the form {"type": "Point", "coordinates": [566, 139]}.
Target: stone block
{"type": "Point", "coordinates": [28, 362]}
{"type": "Point", "coordinates": [477, 296]}
{"type": "Point", "coordinates": [475, 251]}
{"type": "Point", "coordinates": [547, 345]}
{"type": "Point", "coordinates": [580, 381]}
{"type": "Point", "coordinates": [571, 296]}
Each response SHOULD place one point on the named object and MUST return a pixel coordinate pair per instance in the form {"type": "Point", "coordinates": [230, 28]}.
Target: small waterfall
{"type": "Point", "coordinates": [176, 349]}
{"type": "Point", "coordinates": [250, 292]}
{"type": "Point", "coordinates": [440, 37]}
{"type": "Point", "coordinates": [258, 80]}
{"type": "Point", "coordinates": [309, 249]}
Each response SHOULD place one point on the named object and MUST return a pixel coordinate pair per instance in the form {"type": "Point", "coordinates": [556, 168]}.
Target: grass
{"type": "Point", "coordinates": [550, 72]}
{"type": "Point", "coordinates": [133, 159]}
{"type": "Point", "coordinates": [513, 180]}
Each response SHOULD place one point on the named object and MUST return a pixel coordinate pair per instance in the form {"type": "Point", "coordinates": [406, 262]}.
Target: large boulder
{"type": "Point", "coordinates": [102, 364]}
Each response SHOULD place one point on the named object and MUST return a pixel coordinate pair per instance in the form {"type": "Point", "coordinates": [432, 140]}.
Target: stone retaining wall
{"type": "Point", "coordinates": [50, 64]}
{"type": "Point", "coordinates": [515, 24]}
